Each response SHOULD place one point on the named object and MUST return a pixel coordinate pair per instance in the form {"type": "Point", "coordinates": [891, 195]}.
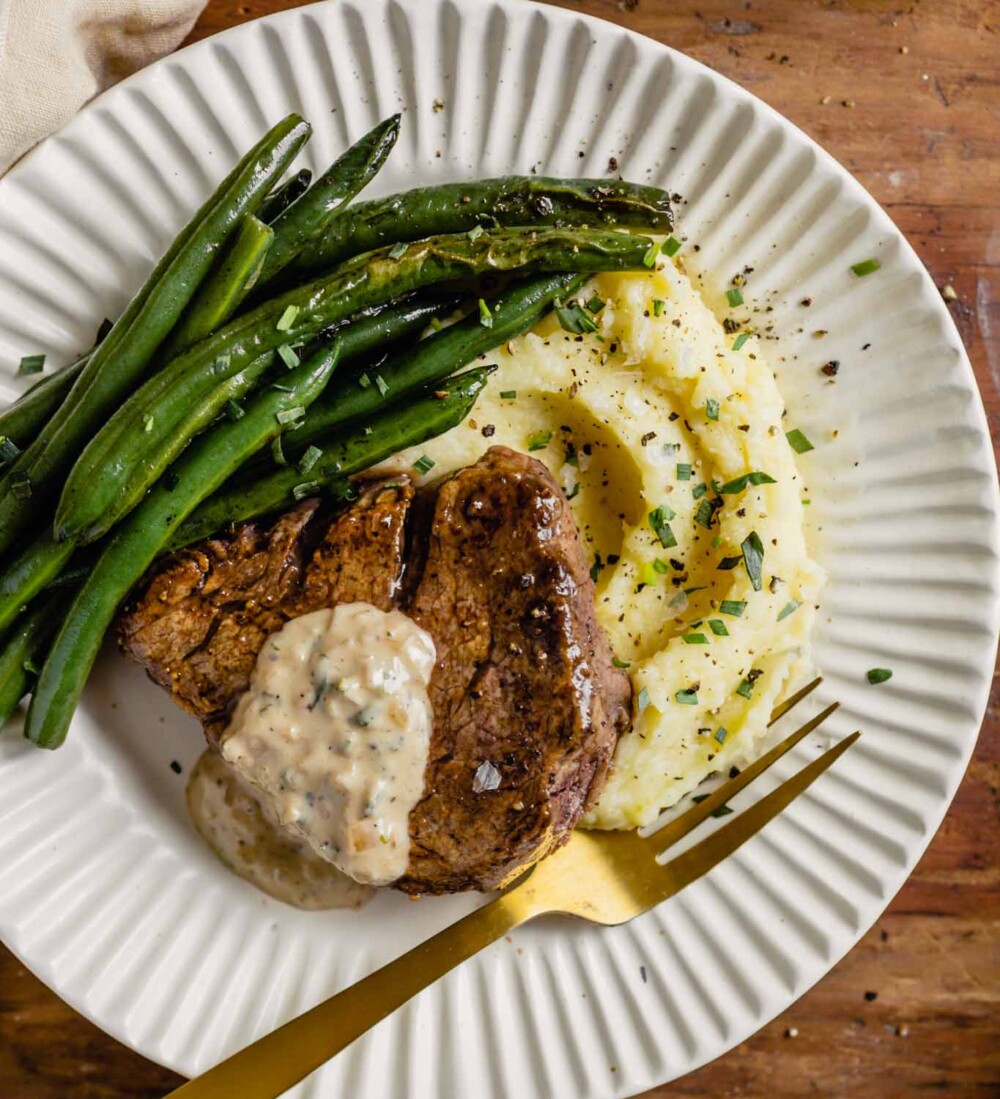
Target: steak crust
{"type": "Point", "coordinates": [523, 683]}
{"type": "Point", "coordinates": [527, 703]}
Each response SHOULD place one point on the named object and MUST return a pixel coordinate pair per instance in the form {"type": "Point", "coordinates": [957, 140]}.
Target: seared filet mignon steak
{"type": "Point", "coordinates": [527, 704]}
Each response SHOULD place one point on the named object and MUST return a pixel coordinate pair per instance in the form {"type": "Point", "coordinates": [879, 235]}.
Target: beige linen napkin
{"type": "Point", "coordinates": [57, 54]}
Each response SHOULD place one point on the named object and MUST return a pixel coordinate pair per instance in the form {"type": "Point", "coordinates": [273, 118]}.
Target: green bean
{"type": "Point", "coordinates": [348, 174]}
{"type": "Point", "coordinates": [433, 359]}
{"type": "Point", "coordinates": [224, 287]}
{"type": "Point", "coordinates": [141, 437]}
{"type": "Point", "coordinates": [375, 329]}
{"type": "Point", "coordinates": [30, 573]}
{"type": "Point", "coordinates": [115, 470]}
{"type": "Point", "coordinates": [133, 545]}
{"type": "Point", "coordinates": [356, 450]}
{"type": "Point", "coordinates": [120, 463]}
{"type": "Point", "coordinates": [21, 651]}
{"type": "Point", "coordinates": [282, 197]}
{"type": "Point", "coordinates": [123, 357]}
{"type": "Point", "coordinates": [488, 203]}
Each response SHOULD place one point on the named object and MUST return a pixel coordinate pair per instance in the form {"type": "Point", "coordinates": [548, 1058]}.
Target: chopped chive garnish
{"type": "Point", "coordinates": [540, 440]}
{"type": "Point", "coordinates": [148, 420]}
{"type": "Point", "coordinates": [277, 453]}
{"type": "Point", "coordinates": [20, 485]}
{"type": "Point", "coordinates": [287, 319]}
{"type": "Point", "coordinates": [659, 524]}
{"type": "Point", "coordinates": [740, 340]}
{"type": "Point", "coordinates": [865, 267]}
{"type": "Point", "coordinates": [791, 606]}
{"type": "Point", "coordinates": [738, 484]}
{"type": "Point", "coordinates": [234, 410]}
{"type": "Point", "coordinates": [300, 492]}
{"type": "Point", "coordinates": [485, 316]}
{"type": "Point", "coordinates": [712, 408]}
{"type": "Point", "coordinates": [650, 257]}
{"type": "Point", "coordinates": [620, 663]}
{"type": "Point", "coordinates": [642, 700]}
{"type": "Point", "coordinates": [508, 394]}
{"type": "Point", "coordinates": [721, 733]}
{"type": "Point", "coordinates": [381, 384]}
{"type": "Point", "coordinates": [798, 442]}
{"type": "Point", "coordinates": [735, 607]}
{"type": "Point", "coordinates": [878, 675]}
{"type": "Point", "coordinates": [364, 381]}
{"type": "Point", "coordinates": [686, 698]}
{"type": "Point", "coordinates": [475, 232]}
{"type": "Point", "coordinates": [728, 563]}
{"type": "Point", "coordinates": [596, 568]}
{"type": "Point", "coordinates": [573, 318]}
{"type": "Point", "coordinates": [734, 296]}
{"type": "Point", "coordinates": [703, 516]}
{"type": "Point", "coordinates": [718, 627]}
{"type": "Point", "coordinates": [290, 415]}
{"type": "Point", "coordinates": [659, 566]}
{"type": "Point", "coordinates": [288, 356]}
{"type": "Point", "coordinates": [309, 459]}
{"type": "Point", "coordinates": [745, 688]}
{"type": "Point", "coordinates": [753, 558]}
{"type": "Point", "coordinates": [671, 246]}
{"type": "Point", "coordinates": [683, 471]}
{"type": "Point", "coordinates": [397, 250]}
{"type": "Point", "coordinates": [423, 464]}
{"type": "Point", "coordinates": [699, 490]}
{"type": "Point", "coordinates": [695, 639]}
{"type": "Point", "coordinates": [31, 364]}
{"type": "Point", "coordinates": [9, 450]}
{"type": "Point", "coordinates": [595, 305]}
{"type": "Point", "coordinates": [722, 811]}
{"type": "Point", "coordinates": [658, 306]}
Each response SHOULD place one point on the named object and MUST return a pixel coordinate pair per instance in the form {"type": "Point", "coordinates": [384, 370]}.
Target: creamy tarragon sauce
{"type": "Point", "coordinates": [333, 734]}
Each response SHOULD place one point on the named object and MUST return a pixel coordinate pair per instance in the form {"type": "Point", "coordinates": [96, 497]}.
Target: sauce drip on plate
{"type": "Point", "coordinates": [232, 821]}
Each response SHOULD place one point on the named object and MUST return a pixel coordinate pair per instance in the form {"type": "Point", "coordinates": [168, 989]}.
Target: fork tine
{"type": "Point", "coordinates": [782, 708]}
{"type": "Point", "coordinates": [680, 826]}
{"type": "Point", "coordinates": [698, 860]}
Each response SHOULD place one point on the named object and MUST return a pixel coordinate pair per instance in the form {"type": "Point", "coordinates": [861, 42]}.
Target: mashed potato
{"type": "Point", "coordinates": [643, 423]}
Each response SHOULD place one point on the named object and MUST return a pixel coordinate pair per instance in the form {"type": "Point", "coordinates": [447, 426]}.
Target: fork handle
{"type": "Point", "coordinates": [279, 1060]}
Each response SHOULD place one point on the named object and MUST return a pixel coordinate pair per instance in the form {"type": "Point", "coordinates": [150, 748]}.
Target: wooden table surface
{"type": "Point", "coordinates": [906, 94]}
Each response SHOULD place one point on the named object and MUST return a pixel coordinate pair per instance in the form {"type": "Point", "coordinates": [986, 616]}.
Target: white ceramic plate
{"type": "Point", "coordinates": [106, 893]}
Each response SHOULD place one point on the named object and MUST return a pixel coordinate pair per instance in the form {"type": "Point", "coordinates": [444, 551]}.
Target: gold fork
{"type": "Point", "coordinates": [605, 877]}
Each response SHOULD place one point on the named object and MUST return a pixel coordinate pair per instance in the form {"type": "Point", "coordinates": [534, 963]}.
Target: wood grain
{"type": "Point", "coordinates": [906, 94]}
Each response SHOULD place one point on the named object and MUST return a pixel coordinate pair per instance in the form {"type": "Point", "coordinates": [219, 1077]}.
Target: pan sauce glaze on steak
{"type": "Point", "coordinates": [527, 704]}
